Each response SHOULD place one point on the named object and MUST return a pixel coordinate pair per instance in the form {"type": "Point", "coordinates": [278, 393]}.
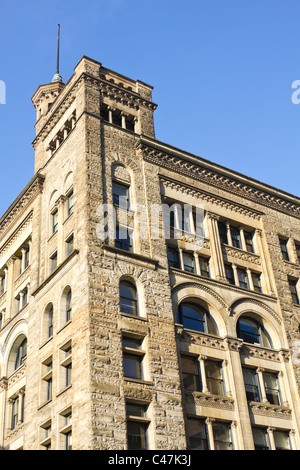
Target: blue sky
{"type": "Point", "coordinates": [222, 73]}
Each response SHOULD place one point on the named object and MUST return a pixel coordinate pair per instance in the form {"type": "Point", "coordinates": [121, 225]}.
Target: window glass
{"type": "Point", "coordinates": [249, 241]}
{"type": "Point", "coordinates": [214, 377]}
{"type": "Point", "coordinates": [260, 437]}
{"type": "Point", "coordinates": [128, 298]}
{"type": "Point", "coordinates": [197, 434]}
{"type": "Point", "coordinates": [173, 258]}
{"type": "Point", "coordinates": [235, 237]}
{"type": "Point", "coordinates": [190, 374]}
{"type": "Point", "coordinates": [120, 195]}
{"type": "Point", "coordinates": [282, 440]}
{"type": "Point", "coordinates": [188, 262]}
{"type": "Point", "coordinates": [272, 389]}
{"type": "Point", "coordinates": [251, 385]}
{"type": "Point", "coordinates": [284, 250]}
{"type": "Point", "coordinates": [136, 435]}
{"type": "Point", "coordinates": [222, 436]}
{"type": "Point", "coordinates": [204, 267]}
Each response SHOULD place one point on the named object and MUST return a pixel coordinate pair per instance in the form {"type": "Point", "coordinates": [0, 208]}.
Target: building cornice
{"type": "Point", "coordinates": [215, 175]}
{"type": "Point", "coordinates": [29, 193]}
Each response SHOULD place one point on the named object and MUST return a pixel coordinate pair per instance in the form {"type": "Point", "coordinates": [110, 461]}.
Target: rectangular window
{"type": "Point", "coordinates": [14, 412]}
{"type": "Point", "coordinates": [222, 436]}
{"type": "Point", "coordinates": [251, 385]}
{"type": "Point", "coordinates": [2, 285]}
{"type": "Point", "coordinates": [260, 438]}
{"type": "Point", "coordinates": [284, 249]}
{"type": "Point", "coordinates": [45, 434]}
{"type": "Point", "coordinates": [229, 274]}
{"type": "Point", "coordinates": [204, 267]}
{"type": "Point", "coordinates": [133, 357]}
{"type": "Point", "coordinates": [214, 378]}
{"type": "Point", "coordinates": [70, 203]}
{"type": "Point", "coordinates": [297, 246]}
{"type": "Point", "coordinates": [53, 262]}
{"type": "Point", "coordinates": [120, 195]}
{"type": "Point", "coordinates": [47, 379]}
{"type": "Point", "coordinates": [137, 425]}
{"type": "Point", "coordinates": [243, 278]}
{"type": "Point", "coordinates": [173, 258]}
{"type": "Point", "coordinates": [293, 290]}
{"type": "Point", "coordinates": [249, 241]}
{"type": "Point", "coordinates": [124, 238]}
{"type": "Point", "coordinates": [282, 440]}
{"type": "Point", "coordinates": [256, 279]}
{"type": "Point", "coordinates": [191, 374]}
{"type": "Point", "coordinates": [272, 388]}
{"type": "Point", "coordinates": [54, 217]}
{"type": "Point", "coordinates": [70, 245]}
{"type": "Point", "coordinates": [197, 434]}
{"type": "Point", "coordinates": [66, 365]}
{"type": "Point", "coordinates": [188, 262]}
{"type": "Point", "coordinates": [223, 233]}
{"type": "Point", "coordinates": [65, 431]}
{"type": "Point", "coordinates": [235, 237]}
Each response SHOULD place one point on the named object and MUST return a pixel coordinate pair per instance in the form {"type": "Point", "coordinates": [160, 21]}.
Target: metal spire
{"type": "Point", "coordinates": [57, 77]}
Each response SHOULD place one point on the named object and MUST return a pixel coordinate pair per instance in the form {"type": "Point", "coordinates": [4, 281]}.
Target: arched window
{"type": "Point", "coordinates": [128, 298]}
{"type": "Point", "coordinates": [195, 317]}
{"type": "Point", "coordinates": [252, 331]}
{"type": "Point", "coordinates": [47, 326]}
{"type": "Point", "coordinates": [50, 322]}
{"type": "Point", "coordinates": [68, 305]}
{"type": "Point", "coordinates": [17, 354]}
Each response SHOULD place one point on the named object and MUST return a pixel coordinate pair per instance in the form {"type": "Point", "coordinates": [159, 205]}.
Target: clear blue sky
{"type": "Point", "coordinates": [221, 70]}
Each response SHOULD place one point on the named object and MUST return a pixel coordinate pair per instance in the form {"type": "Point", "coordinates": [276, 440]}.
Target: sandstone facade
{"type": "Point", "coordinates": [206, 382]}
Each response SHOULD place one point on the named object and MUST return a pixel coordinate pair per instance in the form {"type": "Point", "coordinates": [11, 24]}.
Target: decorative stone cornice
{"type": "Point", "coordinates": [266, 409]}
{"type": "Point", "coordinates": [3, 384]}
{"type": "Point", "coordinates": [208, 400]}
{"type": "Point", "coordinates": [195, 285]}
{"type": "Point", "coordinates": [29, 193]}
{"type": "Point", "coordinates": [204, 196]}
{"type": "Point", "coordinates": [183, 163]}
{"type": "Point", "coordinates": [200, 339]}
{"type": "Point", "coordinates": [241, 255]}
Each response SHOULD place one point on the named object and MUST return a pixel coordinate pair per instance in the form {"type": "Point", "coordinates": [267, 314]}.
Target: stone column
{"type": "Point", "coordinates": [282, 389]}
{"type": "Point", "coordinates": [243, 240]}
{"type": "Point", "coordinates": [209, 423]}
{"type": "Point", "coordinates": [260, 372]}
{"type": "Point", "coordinates": [250, 280]}
{"type": "Point", "coordinates": [266, 271]}
{"type": "Point", "coordinates": [10, 288]}
{"type": "Point", "coordinates": [216, 249]}
{"type": "Point", "coordinates": [227, 387]}
{"type": "Point", "coordinates": [23, 260]}
{"type": "Point", "coordinates": [235, 273]}
{"type": "Point", "coordinates": [197, 264]}
{"type": "Point", "coordinates": [229, 239]}
{"type": "Point", "coordinates": [234, 435]}
{"type": "Point", "coordinates": [181, 259]}
{"type": "Point", "coordinates": [203, 373]}
{"type": "Point", "coordinates": [20, 405]}
{"type": "Point", "coordinates": [270, 431]}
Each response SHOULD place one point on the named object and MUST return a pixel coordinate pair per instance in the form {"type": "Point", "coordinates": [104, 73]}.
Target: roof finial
{"type": "Point", "coordinates": [57, 77]}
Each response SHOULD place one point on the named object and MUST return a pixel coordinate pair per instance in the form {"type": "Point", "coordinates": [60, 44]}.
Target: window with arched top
{"type": "Point", "coordinates": [252, 331]}
{"type": "Point", "coordinates": [128, 298]}
{"type": "Point", "coordinates": [195, 317]}
{"type": "Point", "coordinates": [17, 354]}
{"type": "Point", "coordinates": [66, 305]}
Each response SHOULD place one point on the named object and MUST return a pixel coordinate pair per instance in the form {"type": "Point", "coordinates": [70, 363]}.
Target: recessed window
{"type": "Point", "coordinates": [252, 331]}
{"type": "Point", "coordinates": [54, 220]}
{"type": "Point", "coordinates": [137, 426]}
{"type": "Point", "coordinates": [173, 258]}
{"type": "Point", "coordinates": [53, 262]}
{"type": "Point", "coordinates": [243, 278]}
{"type": "Point", "coordinates": [191, 374]}
{"type": "Point", "coordinates": [66, 365]}
{"type": "Point", "coordinates": [294, 291]}
{"type": "Point", "coordinates": [256, 279]}
{"type": "Point", "coordinates": [204, 267]}
{"type": "Point", "coordinates": [188, 262]}
{"type": "Point", "coordinates": [47, 379]}
{"type": "Point", "coordinates": [222, 436]}
{"type": "Point", "coordinates": [70, 203]}
{"type": "Point", "coordinates": [121, 195]}
{"type": "Point", "coordinates": [260, 438]}
{"type": "Point", "coordinates": [128, 298]}
{"type": "Point", "coordinates": [70, 245]}
{"type": "Point", "coordinates": [133, 357]}
{"type": "Point", "coordinates": [124, 238]}
{"type": "Point", "coordinates": [284, 249]}
{"type": "Point", "coordinates": [223, 233]}
{"type": "Point", "coordinates": [65, 430]}
{"type": "Point", "coordinates": [297, 246]}
{"type": "Point", "coordinates": [249, 241]}
{"type": "Point", "coordinates": [195, 317]}
{"type": "Point", "coordinates": [197, 435]}
{"type": "Point", "coordinates": [282, 440]}
{"type": "Point", "coordinates": [229, 274]}
{"type": "Point", "coordinates": [235, 237]}
{"type": "Point", "coordinates": [251, 385]}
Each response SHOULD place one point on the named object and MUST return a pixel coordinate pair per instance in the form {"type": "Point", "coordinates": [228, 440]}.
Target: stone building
{"type": "Point", "coordinates": [143, 342]}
